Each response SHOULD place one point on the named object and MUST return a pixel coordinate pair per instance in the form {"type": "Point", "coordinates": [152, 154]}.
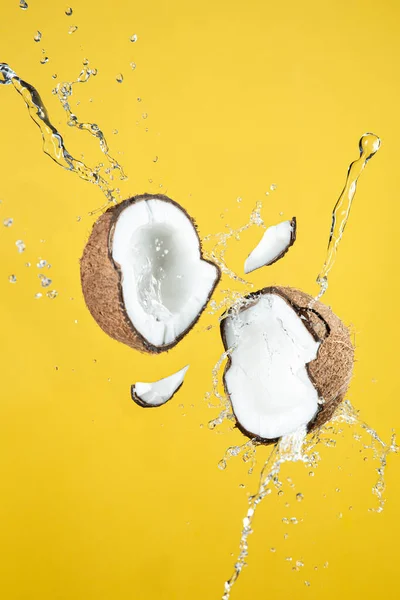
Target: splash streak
{"type": "Point", "coordinates": [369, 144]}
{"type": "Point", "coordinates": [289, 449]}
{"type": "Point", "coordinates": [53, 143]}
{"type": "Point", "coordinates": [299, 446]}
{"type": "Point", "coordinates": [64, 91]}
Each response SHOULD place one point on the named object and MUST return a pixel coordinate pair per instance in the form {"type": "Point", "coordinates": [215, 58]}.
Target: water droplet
{"type": "Point", "coordinates": [238, 199]}
{"type": "Point", "coordinates": [144, 116]}
{"type": "Point", "coordinates": [72, 29]}
{"type": "Point", "coordinates": [20, 245]}
{"type": "Point", "coordinates": [311, 473]}
{"type": "Point", "coordinates": [222, 464]}
{"type": "Point", "coordinates": [120, 78]}
{"type": "Point", "coordinates": [27, 264]}
{"type": "Point", "coordinates": [54, 76]}
{"type": "Point", "coordinates": [273, 187]}
{"type": "Point", "coordinates": [273, 549]}
{"type": "Point", "coordinates": [299, 497]}
{"type": "Point", "coordinates": [52, 294]}
{"type": "Point", "coordinates": [38, 295]}
{"type": "Point", "coordinates": [38, 36]}
{"type": "Point", "coordinates": [8, 222]}
{"type": "Point", "coordinates": [133, 38]}
{"type": "Point", "coordinates": [44, 60]}
{"type": "Point", "coordinates": [23, 4]}
{"type": "Point", "coordinates": [42, 263]}
{"type": "Point", "coordinates": [115, 131]}
{"type": "Point", "coordinates": [12, 279]}
{"type": "Point", "coordinates": [155, 159]}
{"type": "Point", "coordinates": [133, 66]}
{"type": "Point", "coordinates": [307, 583]}
{"type": "Point", "coordinates": [68, 11]}
{"type": "Point", "coordinates": [45, 281]}
{"type": "Point", "coordinates": [139, 99]}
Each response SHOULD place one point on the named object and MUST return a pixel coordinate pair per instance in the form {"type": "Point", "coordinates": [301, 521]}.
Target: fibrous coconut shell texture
{"type": "Point", "coordinates": [101, 279]}
{"type": "Point", "coordinates": [331, 371]}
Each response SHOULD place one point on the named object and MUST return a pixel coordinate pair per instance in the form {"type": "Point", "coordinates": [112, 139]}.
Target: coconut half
{"type": "Point", "coordinates": [290, 362]}
{"type": "Point", "coordinates": [159, 392]}
{"type": "Point", "coordinates": [274, 244]}
{"type": "Point", "coordinates": [143, 276]}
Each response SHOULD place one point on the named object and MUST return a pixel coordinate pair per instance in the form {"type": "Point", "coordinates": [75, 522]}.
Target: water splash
{"type": "Point", "coordinates": [53, 143]}
{"type": "Point", "coordinates": [299, 446]}
{"type": "Point", "coordinates": [368, 145]}
{"type": "Point", "coordinates": [220, 243]}
{"type": "Point", "coordinates": [64, 91]}
{"type": "Point", "coordinates": [289, 449]}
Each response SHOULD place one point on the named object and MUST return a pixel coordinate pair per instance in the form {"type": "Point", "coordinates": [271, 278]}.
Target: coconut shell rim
{"type": "Point", "coordinates": [279, 292]}
{"type": "Point", "coordinates": [115, 213]}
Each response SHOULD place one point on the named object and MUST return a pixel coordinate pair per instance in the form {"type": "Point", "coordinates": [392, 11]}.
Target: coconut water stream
{"type": "Point", "coordinates": [53, 142]}
{"type": "Point", "coordinates": [368, 145]}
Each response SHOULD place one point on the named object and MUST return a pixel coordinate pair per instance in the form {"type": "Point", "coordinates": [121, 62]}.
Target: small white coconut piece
{"type": "Point", "coordinates": [274, 244]}
{"type": "Point", "coordinates": [289, 364]}
{"type": "Point", "coordinates": [143, 274]}
{"type": "Point", "coordinates": [158, 392]}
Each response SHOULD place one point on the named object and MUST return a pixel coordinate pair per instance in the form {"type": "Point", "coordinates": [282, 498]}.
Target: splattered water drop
{"type": "Point", "coordinates": [52, 294]}
{"type": "Point", "coordinates": [133, 38]}
{"type": "Point", "coordinates": [8, 222]}
{"type": "Point", "coordinates": [12, 279]}
{"type": "Point", "coordinates": [45, 281]}
{"type": "Point", "coordinates": [68, 11]}
{"type": "Point", "coordinates": [120, 78]}
{"type": "Point", "coordinates": [44, 60]}
{"type": "Point", "coordinates": [38, 36]}
{"type": "Point", "coordinates": [23, 4]}
{"type": "Point", "coordinates": [20, 245]}
{"type": "Point", "coordinates": [72, 29]}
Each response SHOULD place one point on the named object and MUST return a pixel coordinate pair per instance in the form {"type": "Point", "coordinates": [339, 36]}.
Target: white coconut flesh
{"type": "Point", "coordinates": [165, 283]}
{"type": "Point", "coordinates": [159, 392]}
{"type": "Point", "coordinates": [267, 381]}
{"type": "Point", "coordinates": [275, 241]}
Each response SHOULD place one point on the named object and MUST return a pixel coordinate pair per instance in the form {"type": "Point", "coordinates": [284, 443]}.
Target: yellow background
{"type": "Point", "coordinates": [102, 500]}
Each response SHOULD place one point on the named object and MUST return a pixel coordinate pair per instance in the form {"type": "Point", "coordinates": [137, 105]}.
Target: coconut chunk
{"type": "Point", "coordinates": [274, 244]}
{"type": "Point", "coordinates": [159, 392]}
{"type": "Point", "coordinates": [143, 275]}
{"type": "Point", "coordinates": [289, 364]}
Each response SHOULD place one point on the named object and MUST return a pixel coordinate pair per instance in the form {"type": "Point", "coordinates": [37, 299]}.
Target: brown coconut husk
{"type": "Point", "coordinates": [101, 280]}
{"type": "Point", "coordinates": [331, 371]}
